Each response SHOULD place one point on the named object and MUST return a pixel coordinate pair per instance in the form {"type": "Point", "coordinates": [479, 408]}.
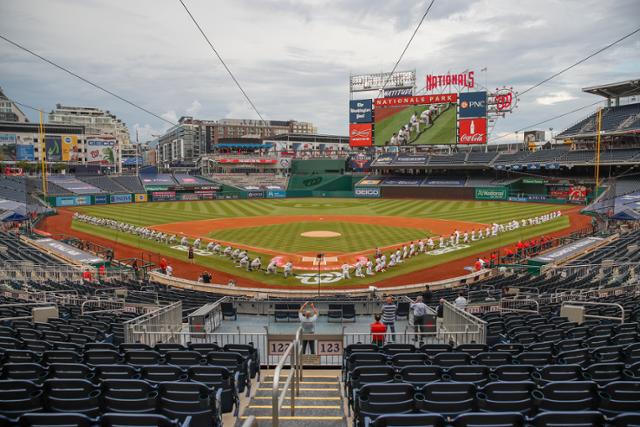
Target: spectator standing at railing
{"type": "Point", "coordinates": [163, 265]}
{"type": "Point", "coordinates": [427, 296]}
{"type": "Point", "coordinates": [389, 309]}
{"type": "Point", "coordinates": [419, 312]}
{"type": "Point", "coordinates": [87, 277]}
{"type": "Point", "coordinates": [461, 301]}
{"type": "Point", "coordinates": [308, 323]}
{"type": "Point", "coordinates": [102, 272]}
{"type": "Point", "coordinates": [378, 331]}
{"type": "Point", "coordinates": [191, 255]}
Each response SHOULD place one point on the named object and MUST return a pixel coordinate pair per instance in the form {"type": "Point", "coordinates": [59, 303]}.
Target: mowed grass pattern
{"type": "Point", "coordinates": [171, 212]}
{"type": "Point", "coordinates": [354, 237]}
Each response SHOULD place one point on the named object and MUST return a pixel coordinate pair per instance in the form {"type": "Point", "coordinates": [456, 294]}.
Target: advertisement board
{"type": "Point", "coordinates": [360, 111]}
{"type": "Point", "coordinates": [416, 120]}
{"type": "Point", "coordinates": [141, 198]}
{"type": "Point", "coordinates": [366, 192]}
{"type": "Point", "coordinates": [187, 196]}
{"type": "Point", "coordinates": [473, 104]}
{"type": "Point", "coordinates": [405, 182]}
{"type": "Point", "coordinates": [408, 160]}
{"type": "Point", "coordinates": [472, 131]}
{"type": "Point", "coordinates": [491, 193]}
{"type": "Point", "coordinates": [255, 194]}
{"type": "Point", "coordinates": [377, 81]}
{"type": "Point", "coordinates": [101, 199]}
{"type": "Point", "coordinates": [69, 145]}
{"type": "Point", "coordinates": [465, 79]}
{"type": "Point", "coordinates": [276, 194]}
{"type": "Point", "coordinates": [53, 148]}
{"type": "Point", "coordinates": [360, 134]}
{"type": "Point", "coordinates": [361, 162]}
{"type": "Point", "coordinates": [101, 151]}
{"type": "Point", "coordinates": [394, 93]}
{"type": "Point", "coordinates": [25, 152]}
{"type": "Point", "coordinates": [120, 198]}
{"type": "Point", "coordinates": [163, 195]}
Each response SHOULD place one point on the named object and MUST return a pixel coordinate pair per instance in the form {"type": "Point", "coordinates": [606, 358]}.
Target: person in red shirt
{"type": "Point", "coordinates": [163, 266]}
{"type": "Point", "coordinates": [86, 276]}
{"type": "Point", "coordinates": [378, 331]}
{"type": "Point", "coordinates": [478, 265]}
{"type": "Point", "coordinates": [102, 271]}
{"type": "Point", "coordinates": [493, 260]}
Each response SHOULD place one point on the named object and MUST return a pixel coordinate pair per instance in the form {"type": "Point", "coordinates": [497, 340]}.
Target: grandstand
{"type": "Point", "coordinates": [527, 345]}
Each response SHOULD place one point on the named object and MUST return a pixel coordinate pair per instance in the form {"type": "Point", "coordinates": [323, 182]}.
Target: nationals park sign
{"type": "Point", "coordinates": [416, 100]}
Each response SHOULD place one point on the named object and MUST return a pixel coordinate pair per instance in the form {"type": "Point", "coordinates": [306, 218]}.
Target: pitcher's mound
{"type": "Point", "coordinates": [320, 233]}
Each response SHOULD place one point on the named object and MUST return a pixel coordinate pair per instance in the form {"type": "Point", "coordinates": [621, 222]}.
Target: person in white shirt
{"type": "Point", "coordinates": [461, 301]}
{"type": "Point", "coordinates": [412, 250]}
{"type": "Point", "coordinates": [392, 260]}
{"type": "Point", "coordinates": [430, 244]}
{"type": "Point", "coordinates": [288, 267]}
{"type": "Point", "coordinates": [370, 268]}
{"type": "Point", "coordinates": [184, 241]}
{"type": "Point", "coordinates": [398, 256]}
{"type": "Point", "coordinates": [244, 262]}
{"type": "Point", "coordinates": [271, 268]}
{"type": "Point", "coordinates": [256, 264]}
{"type": "Point", "coordinates": [345, 271]}
{"type": "Point", "coordinates": [465, 237]}
{"type": "Point", "coordinates": [169, 270]}
{"type": "Point", "coordinates": [358, 272]}
{"type": "Point", "coordinates": [421, 246]}
{"type": "Point", "coordinates": [196, 244]}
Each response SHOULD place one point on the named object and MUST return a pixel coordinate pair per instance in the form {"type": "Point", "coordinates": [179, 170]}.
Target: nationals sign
{"type": "Point", "coordinates": [472, 131]}
{"type": "Point", "coordinates": [435, 81]}
{"type": "Point", "coordinates": [360, 134]}
{"type": "Point", "coordinates": [416, 100]}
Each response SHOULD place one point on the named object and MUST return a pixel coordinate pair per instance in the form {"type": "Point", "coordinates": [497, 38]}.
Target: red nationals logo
{"type": "Point", "coordinates": [504, 99]}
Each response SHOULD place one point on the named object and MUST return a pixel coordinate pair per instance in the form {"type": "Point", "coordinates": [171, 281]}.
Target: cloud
{"type": "Point", "coordinates": [194, 108]}
{"type": "Point", "coordinates": [555, 98]}
{"type": "Point", "coordinates": [294, 57]}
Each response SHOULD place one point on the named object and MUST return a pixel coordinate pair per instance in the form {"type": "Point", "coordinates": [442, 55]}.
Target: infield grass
{"type": "Point", "coordinates": [353, 237]}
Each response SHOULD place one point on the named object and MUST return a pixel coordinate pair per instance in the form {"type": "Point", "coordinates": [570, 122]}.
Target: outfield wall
{"type": "Point", "coordinates": [446, 193]}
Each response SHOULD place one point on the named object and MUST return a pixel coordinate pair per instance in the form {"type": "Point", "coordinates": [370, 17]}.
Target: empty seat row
{"type": "Point", "coordinates": [507, 419]}
{"type": "Point", "coordinates": [450, 399]}
{"type": "Point", "coordinates": [175, 400]}
{"type": "Point", "coordinates": [110, 419]}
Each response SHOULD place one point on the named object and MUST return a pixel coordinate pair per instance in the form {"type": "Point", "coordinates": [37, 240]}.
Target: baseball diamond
{"type": "Point", "coordinates": [272, 229]}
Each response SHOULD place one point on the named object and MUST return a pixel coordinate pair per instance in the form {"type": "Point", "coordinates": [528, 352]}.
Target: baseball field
{"type": "Point", "coordinates": [297, 229]}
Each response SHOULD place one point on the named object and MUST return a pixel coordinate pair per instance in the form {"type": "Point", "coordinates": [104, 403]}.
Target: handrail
{"type": "Point", "coordinates": [294, 352]}
{"type": "Point", "coordinates": [250, 422]}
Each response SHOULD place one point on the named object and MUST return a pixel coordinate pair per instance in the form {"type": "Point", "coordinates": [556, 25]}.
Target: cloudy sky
{"type": "Point", "coordinates": [294, 57]}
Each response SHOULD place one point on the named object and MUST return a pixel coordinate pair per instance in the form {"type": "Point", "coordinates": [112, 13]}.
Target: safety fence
{"type": "Point", "coordinates": [161, 325]}
{"type": "Point", "coordinates": [463, 327]}
{"type": "Point", "coordinates": [583, 307]}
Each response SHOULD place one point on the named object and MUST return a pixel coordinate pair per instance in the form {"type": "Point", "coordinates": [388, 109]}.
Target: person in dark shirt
{"type": "Point", "coordinates": [206, 277]}
{"type": "Point", "coordinates": [427, 296]}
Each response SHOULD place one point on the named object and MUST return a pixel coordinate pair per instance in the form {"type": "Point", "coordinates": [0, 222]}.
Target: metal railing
{"type": "Point", "coordinates": [101, 305]}
{"type": "Point", "coordinates": [165, 323]}
{"type": "Point", "coordinates": [294, 354]}
{"type": "Point", "coordinates": [519, 305]}
{"type": "Point", "coordinates": [251, 421]}
{"type": "Point", "coordinates": [464, 327]}
{"type": "Point", "coordinates": [597, 304]}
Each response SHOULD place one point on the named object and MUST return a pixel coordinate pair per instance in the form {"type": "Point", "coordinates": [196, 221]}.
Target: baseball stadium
{"type": "Point", "coordinates": [427, 268]}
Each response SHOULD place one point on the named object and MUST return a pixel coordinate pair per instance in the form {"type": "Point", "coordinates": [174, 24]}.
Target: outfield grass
{"type": "Point", "coordinates": [171, 212]}
{"type": "Point", "coordinates": [354, 237]}
{"type": "Point", "coordinates": [168, 212]}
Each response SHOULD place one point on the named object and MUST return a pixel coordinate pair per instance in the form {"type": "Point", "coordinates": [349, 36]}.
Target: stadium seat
{"type": "Point", "coordinates": [72, 395]}
{"type": "Point", "coordinates": [446, 398]}
{"type": "Point", "coordinates": [133, 396]}
{"type": "Point", "coordinates": [20, 396]}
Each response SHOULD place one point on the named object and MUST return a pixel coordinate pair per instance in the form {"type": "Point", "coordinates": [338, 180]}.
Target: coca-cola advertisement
{"type": "Point", "coordinates": [472, 131]}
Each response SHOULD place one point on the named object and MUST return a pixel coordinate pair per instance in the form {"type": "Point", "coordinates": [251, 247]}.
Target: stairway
{"type": "Point", "coordinates": [320, 403]}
